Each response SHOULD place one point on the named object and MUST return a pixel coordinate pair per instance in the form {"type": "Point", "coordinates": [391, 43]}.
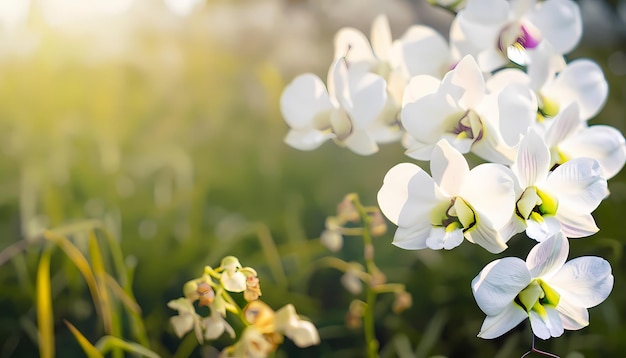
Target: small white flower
{"type": "Point", "coordinates": [455, 203]}
{"type": "Point", "coordinates": [553, 294]}
{"type": "Point", "coordinates": [215, 325]}
{"type": "Point", "coordinates": [232, 279]}
{"type": "Point", "coordinates": [302, 333]}
{"type": "Point", "coordinates": [187, 318]}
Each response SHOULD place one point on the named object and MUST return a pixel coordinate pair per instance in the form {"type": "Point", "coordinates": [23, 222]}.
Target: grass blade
{"type": "Point", "coordinates": [108, 343]}
{"type": "Point", "coordinates": [90, 350]}
{"type": "Point", "coordinates": [45, 321]}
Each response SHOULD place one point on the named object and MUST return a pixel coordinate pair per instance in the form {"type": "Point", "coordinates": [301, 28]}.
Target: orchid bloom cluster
{"type": "Point", "coordinates": [264, 329]}
{"type": "Point", "coordinates": [501, 90]}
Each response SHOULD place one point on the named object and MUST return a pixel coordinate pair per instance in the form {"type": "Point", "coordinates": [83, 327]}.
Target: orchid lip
{"type": "Point", "coordinates": [527, 40]}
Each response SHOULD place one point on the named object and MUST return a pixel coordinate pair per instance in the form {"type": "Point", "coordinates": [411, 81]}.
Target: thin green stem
{"type": "Point", "coordinates": [389, 287]}
{"type": "Point", "coordinates": [368, 255]}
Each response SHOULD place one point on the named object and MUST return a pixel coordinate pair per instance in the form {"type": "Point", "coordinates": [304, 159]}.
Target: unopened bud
{"type": "Point", "coordinates": [253, 289]}
{"type": "Point", "coordinates": [402, 301]}
{"type": "Point", "coordinates": [378, 278]}
{"type": "Point", "coordinates": [354, 316]}
{"type": "Point", "coordinates": [206, 295]}
{"type": "Point", "coordinates": [378, 226]}
{"type": "Point", "coordinates": [346, 211]}
{"type": "Point", "coordinates": [332, 240]}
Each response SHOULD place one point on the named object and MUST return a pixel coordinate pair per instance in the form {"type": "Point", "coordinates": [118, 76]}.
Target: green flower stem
{"type": "Point", "coordinates": [368, 255]}
{"type": "Point", "coordinates": [208, 270]}
{"type": "Point", "coordinates": [352, 231]}
{"type": "Point", "coordinates": [238, 311]}
{"type": "Point", "coordinates": [389, 287]}
{"type": "Point", "coordinates": [344, 266]}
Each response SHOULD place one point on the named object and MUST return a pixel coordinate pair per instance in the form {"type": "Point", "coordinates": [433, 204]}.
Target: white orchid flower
{"type": "Point", "coordinates": [581, 81]}
{"type": "Point", "coordinates": [302, 333]}
{"type": "Point", "coordinates": [561, 200]}
{"type": "Point", "coordinates": [350, 112]}
{"type": "Point", "coordinates": [568, 137]}
{"type": "Point", "coordinates": [455, 203]}
{"type": "Point", "coordinates": [553, 294]}
{"type": "Point", "coordinates": [187, 318]}
{"type": "Point", "coordinates": [232, 278]}
{"type": "Point", "coordinates": [499, 30]}
{"type": "Point", "coordinates": [215, 325]}
{"type": "Point", "coordinates": [420, 50]}
{"type": "Point", "coordinates": [459, 109]}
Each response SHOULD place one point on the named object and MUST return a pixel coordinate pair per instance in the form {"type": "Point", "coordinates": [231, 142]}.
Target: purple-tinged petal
{"type": "Point", "coordinates": [533, 160]}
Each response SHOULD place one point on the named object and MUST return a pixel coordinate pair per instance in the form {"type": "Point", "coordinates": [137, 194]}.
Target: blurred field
{"type": "Point", "coordinates": [164, 129]}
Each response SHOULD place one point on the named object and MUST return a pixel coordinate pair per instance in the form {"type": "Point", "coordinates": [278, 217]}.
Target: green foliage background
{"type": "Point", "coordinates": [176, 146]}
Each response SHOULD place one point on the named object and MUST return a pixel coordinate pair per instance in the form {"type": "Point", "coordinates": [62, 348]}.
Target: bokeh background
{"type": "Point", "coordinates": [159, 120]}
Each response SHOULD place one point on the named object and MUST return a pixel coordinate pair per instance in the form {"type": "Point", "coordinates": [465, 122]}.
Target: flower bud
{"type": "Point", "coordinates": [346, 211]}
{"type": "Point", "coordinates": [378, 226]}
{"type": "Point", "coordinates": [402, 301]}
{"type": "Point", "coordinates": [332, 240]}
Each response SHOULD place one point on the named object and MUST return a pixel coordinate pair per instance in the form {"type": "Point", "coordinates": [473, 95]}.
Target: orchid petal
{"type": "Point", "coordinates": [481, 20]}
{"type": "Point", "coordinates": [584, 282]}
{"type": "Point", "coordinates": [547, 257]}
{"type": "Point", "coordinates": [509, 318]}
{"type": "Point", "coordinates": [306, 140]}
{"type": "Point", "coordinates": [353, 45]}
{"type": "Point", "coordinates": [602, 143]}
{"type": "Point", "coordinates": [496, 180]}
{"type": "Point", "coordinates": [575, 225]}
{"type": "Point", "coordinates": [424, 119]}
{"type": "Point", "coordinates": [361, 143]}
{"type": "Point", "coordinates": [398, 191]}
{"type": "Point", "coordinates": [533, 160]}
{"type": "Point", "coordinates": [549, 325]}
{"type": "Point", "coordinates": [302, 100]}
{"type": "Point", "coordinates": [413, 237]}
{"type": "Point", "coordinates": [440, 238]}
{"type": "Point", "coordinates": [541, 231]}
{"type": "Point", "coordinates": [465, 83]}
{"type": "Point", "coordinates": [420, 86]}
{"type": "Point", "coordinates": [497, 285]}
{"type": "Point", "coordinates": [518, 109]}
{"type": "Point", "coordinates": [573, 317]}
{"type": "Point", "coordinates": [448, 167]}
{"type": "Point", "coordinates": [560, 23]}
{"type": "Point", "coordinates": [583, 82]}
{"type": "Point", "coordinates": [578, 184]}
{"type": "Point", "coordinates": [381, 37]}
{"type": "Point", "coordinates": [506, 77]}
{"type": "Point", "coordinates": [483, 233]}
{"type": "Point", "coordinates": [368, 95]}
{"type": "Point", "coordinates": [565, 125]}
{"type": "Point", "coordinates": [423, 52]}
{"type": "Point", "coordinates": [418, 150]}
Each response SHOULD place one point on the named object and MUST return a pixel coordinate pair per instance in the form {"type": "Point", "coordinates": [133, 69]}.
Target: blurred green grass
{"type": "Point", "coordinates": [177, 147]}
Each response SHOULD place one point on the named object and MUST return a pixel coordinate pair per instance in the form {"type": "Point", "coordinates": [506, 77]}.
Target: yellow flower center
{"type": "Point", "coordinates": [454, 214]}
{"type": "Point", "coordinates": [534, 204]}
{"type": "Point", "coordinates": [536, 296]}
